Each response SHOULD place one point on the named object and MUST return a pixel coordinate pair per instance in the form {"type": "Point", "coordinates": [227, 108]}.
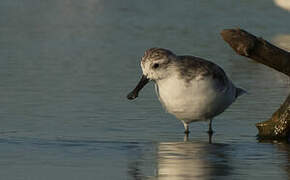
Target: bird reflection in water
{"type": "Point", "coordinates": [188, 160]}
{"type": "Point", "coordinates": [192, 160]}
{"type": "Point", "coordinates": [209, 137]}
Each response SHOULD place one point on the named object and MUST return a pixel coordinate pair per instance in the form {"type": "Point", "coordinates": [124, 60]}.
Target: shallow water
{"type": "Point", "coordinates": [66, 67]}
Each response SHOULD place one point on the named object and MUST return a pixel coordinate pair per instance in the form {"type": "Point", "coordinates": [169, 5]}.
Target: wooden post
{"type": "Point", "coordinates": [248, 45]}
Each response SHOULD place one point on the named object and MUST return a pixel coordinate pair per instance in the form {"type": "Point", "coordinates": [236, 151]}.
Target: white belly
{"type": "Point", "coordinates": [194, 101]}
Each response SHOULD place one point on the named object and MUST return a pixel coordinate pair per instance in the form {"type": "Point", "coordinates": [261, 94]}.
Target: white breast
{"type": "Point", "coordinates": [196, 100]}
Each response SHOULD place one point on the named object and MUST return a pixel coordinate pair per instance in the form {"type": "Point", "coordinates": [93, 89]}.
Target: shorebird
{"type": "Point", "coordinates": [191, 88]}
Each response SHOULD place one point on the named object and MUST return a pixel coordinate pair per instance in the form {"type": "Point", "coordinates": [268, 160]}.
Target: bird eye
{"type": "Point", "coordinates": [156, 65]}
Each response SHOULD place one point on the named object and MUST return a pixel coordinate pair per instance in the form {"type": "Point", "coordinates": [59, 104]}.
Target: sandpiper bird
{"type": "Point", "coordinates": [191, 88]}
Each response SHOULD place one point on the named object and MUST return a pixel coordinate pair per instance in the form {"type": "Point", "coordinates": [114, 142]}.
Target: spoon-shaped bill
{"type": "Point", "coordinates": [133, 94]}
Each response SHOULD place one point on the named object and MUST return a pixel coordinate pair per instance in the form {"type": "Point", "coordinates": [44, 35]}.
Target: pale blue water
{"type": "Point", "coordinates": [66, 67]}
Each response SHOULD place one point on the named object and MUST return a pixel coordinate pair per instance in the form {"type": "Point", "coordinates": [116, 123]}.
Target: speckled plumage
{"type": "Point", "coordinates": [189, 67]}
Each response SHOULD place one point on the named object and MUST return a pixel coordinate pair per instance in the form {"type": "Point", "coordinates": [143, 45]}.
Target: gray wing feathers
{"type": "Point", "coordinates": [190, 67]}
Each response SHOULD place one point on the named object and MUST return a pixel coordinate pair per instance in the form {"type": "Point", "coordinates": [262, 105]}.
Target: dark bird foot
{"type": "Point", "coordinates": [210, 132]}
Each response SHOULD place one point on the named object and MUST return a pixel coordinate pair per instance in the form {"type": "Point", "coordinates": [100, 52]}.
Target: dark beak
{"type": "Point", "coordinates": [143, 81]}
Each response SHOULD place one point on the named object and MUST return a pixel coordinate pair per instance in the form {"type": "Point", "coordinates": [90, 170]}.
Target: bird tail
{"type": "Point", "coordinates": [240, 91]}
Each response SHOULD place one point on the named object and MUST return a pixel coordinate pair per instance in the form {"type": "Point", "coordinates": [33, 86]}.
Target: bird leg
{"type": "Point", "coordinates": [186, 127]}
{"type": "Point", "coordinates": [185, 138]}
{"type": "Point", "coordinates": [210, 138]}
{"type": "Point", "coordinates": [210, 131]}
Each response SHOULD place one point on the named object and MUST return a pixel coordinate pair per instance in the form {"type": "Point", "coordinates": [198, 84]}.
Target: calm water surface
{"type": "Point", "coordinates": [66, 67]}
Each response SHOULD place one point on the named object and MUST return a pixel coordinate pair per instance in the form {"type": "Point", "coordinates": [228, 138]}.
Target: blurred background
{"type": "Point", "coordinates": [67, 66]}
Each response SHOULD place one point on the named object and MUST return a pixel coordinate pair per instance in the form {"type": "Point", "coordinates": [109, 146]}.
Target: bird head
{"type": "Point", "coordinates": [154, 64]}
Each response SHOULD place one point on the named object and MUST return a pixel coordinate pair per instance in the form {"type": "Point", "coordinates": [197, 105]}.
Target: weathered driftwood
{"type": "Point", "coordinates": [246, 44]}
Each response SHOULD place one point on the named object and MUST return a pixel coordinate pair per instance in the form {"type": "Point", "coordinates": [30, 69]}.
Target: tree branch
{"type": "Point", "coordinates": [248, 45]}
